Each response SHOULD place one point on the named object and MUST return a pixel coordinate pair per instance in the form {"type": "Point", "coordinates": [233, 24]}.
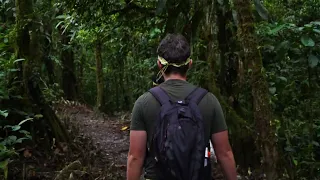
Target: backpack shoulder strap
{"type": "Point", "coordinates": [196, 95]}
{"type": "Point", "coordinates": [161, 96]}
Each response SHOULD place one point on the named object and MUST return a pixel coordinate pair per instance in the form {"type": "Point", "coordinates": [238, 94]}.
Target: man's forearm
{"type": "Point", "coordinates": [134, 168]}
{"type": "Point", "coordinates": [228, 165]}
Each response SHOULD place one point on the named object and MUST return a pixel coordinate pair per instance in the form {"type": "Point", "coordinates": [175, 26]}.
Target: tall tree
{"type": "Point", "coordinates": [28, 48]}
{"type": "Point", "coordinates": [99, 74]}
{"type": "Point", "coordinates": [261, 108]}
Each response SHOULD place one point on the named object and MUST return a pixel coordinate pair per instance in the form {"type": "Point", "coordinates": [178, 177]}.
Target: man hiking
{"type": "Point", "coordinates": [173, 122]}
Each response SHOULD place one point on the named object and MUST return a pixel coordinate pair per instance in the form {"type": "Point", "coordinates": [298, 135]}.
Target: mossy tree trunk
{"type": "Point", "coordinates": [99, 74]}
{"type": "Point", "coordinates": [266, 141]}
{"type": "Point", "coordinates": [28, 48]}
{"type": "Point", "coordinates": [23, 44]}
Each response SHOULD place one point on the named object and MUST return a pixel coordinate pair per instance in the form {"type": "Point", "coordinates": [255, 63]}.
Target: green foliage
{"type": "Point", "coordinates": [10, 135]}
{"type": "Point", "coordinates": [14, 135]}
{"type": "Point", "coordinates": [52, 92]}
{"type": "Point", "coordinates": [130, 32]}
{"type": "Point", "coordinates": [291, 56]}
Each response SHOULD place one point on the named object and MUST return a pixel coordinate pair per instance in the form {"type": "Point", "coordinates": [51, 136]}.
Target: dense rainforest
{"type": "Point", "coordinates": [260, 58]}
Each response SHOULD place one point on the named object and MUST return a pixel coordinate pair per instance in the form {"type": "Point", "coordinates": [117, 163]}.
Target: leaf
{"type": "Point", "coordinates": [65, 28]}
{"type": "Point", "coordinates": [313, 61]}
{"type": "Point", "coordinates": [24, 132]}
{"type": "Point", "coordinates": [263, 12]}
{"type": "Point", "coordinates": [61, 17]}
{"type": "Point", "coordinates": [272, 90]}
{"type": "Point", "coordinates": [316, 31]}
{"type": "Point", "coordinates": [2, 147]}
{"type": "Point", "coordinates": [277, 29]}
{"type": "Point", "coordinates": [220, 2]}
{"type": "Point", "coordinates": [316, 143]}
{"type": "Point", "coordinates": [5, 40]}
{"type": "Point", "coordinates": [308, 26]}
{"type": "Point", "coordinates": [21, 139]}
{"type": "Point", "coordinates": [295, 162]}
{"type": "Point", "coordinates": [283, 78]}
{"type": "Point", "coordinates": [38, 116]}
{"type": "Point", "coordinates": [4, 113]}
{"type": "Point", "coordinates": [307, 41]}
{"type": "Point", "coordinates": [283, 46]}
{"type": "Point", "coordinates": [316, 23]}
{"type": "Point", "coordinates": [18, 60]}
{"type": "Point", "coordinates": [289, 149]}
{"type": "Point", "coordinates": [15, 128]}
{"type": "Point", "coordinates": [4, 164]}
{"type": "Point", "coordinates": [124, 128]}
{"type": "Point", "coordinates": [155, 32]}
{"type": "Point", "coordinates": [160, 6]}
{"type": "Point", "coordinates": [73, 35]}
{"type": "Point", "coordinates": [59, 23]}
{"type": "Point", "coordinates": [10, 140]}
{"type": "Point", "coordinates": [14, 70]}
{"type": "Point", "coordinates": [29, 119]}
{"type": "Point", "coordinates": [2, 45]}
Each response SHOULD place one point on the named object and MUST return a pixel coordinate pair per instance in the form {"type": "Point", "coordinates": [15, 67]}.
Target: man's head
{"type": "Point", "coordinates": [175, 50]}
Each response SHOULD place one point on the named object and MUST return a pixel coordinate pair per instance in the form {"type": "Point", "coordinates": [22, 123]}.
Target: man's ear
{"type": "Point", "coordinates": [190, 63]}
{"type": "Point", "coordinates": [159, 64]}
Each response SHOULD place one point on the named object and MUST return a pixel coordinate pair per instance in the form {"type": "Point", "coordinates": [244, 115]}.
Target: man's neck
{"type": "Point", "coordinates": [175, 77]}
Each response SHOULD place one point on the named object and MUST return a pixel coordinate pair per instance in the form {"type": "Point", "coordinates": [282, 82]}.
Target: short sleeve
{"type": "Point", "coordinates": [218, 123]}
{"type": "Point", "coordinates": [137, 120]}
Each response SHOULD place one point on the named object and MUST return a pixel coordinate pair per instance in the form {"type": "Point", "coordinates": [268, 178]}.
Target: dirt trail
{"type": "Point", "coordinates": [110, 142]}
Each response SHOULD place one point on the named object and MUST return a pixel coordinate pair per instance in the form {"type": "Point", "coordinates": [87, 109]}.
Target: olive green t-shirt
{"type": "Point", "coordinates": [147, 108]}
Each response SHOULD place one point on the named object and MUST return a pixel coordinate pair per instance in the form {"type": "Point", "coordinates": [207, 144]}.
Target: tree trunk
{"type": "Point", "coordinates": [261, 107]}
{"type": "Point", "coordinates": [69, 83]}
{"type": "Point", "coordinates": [81, 76]}
{"type": "Point", "coordinates": [24, 10]}
{"type": "Point", "coordinates": [99, 75]}
{"type": "Point", "coordinates": [46, 54]}
{"type": "Point", "coordinates": [224, 37]}
{"type": "Point", "coordinates": [28, 48]}
{"type": "Point", "coordinates": [208, 34]}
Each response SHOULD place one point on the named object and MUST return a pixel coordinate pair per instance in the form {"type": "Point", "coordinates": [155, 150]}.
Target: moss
{"type": "Point", "coordinates": [261, 107]}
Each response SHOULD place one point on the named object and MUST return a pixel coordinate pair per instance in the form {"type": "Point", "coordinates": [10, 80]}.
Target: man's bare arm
{"type": "Point", "coordinates": [224, 154]}
{"type": "Point", "coordinates": [137, 151]}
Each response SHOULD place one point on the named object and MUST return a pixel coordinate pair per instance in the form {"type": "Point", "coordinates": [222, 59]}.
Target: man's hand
{"type": "Point", "coordinates": [137, 151]}
{"type": "Point", "coordinates": [224, 154]}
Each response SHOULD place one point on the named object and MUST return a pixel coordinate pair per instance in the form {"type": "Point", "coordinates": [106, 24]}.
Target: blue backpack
{"type": "Point", "coordinates": [178, 141]}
